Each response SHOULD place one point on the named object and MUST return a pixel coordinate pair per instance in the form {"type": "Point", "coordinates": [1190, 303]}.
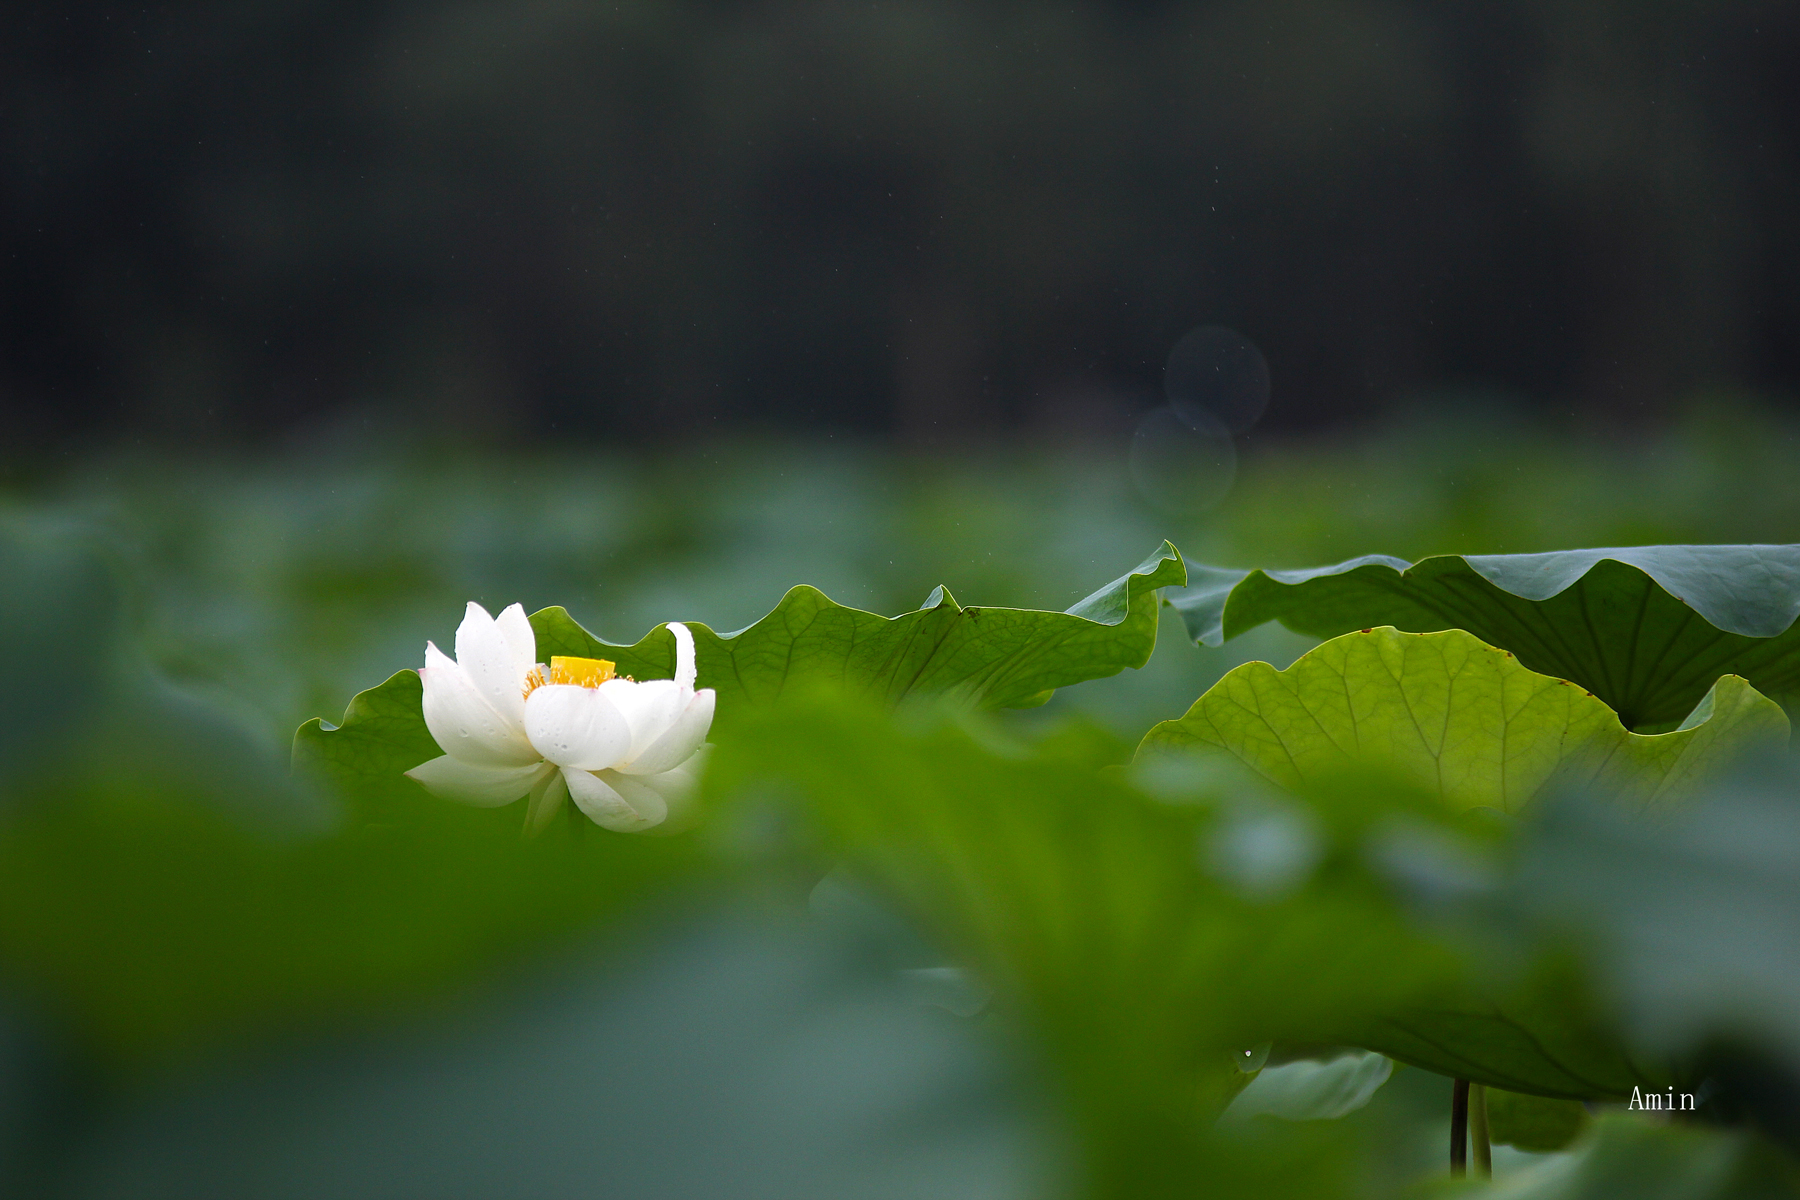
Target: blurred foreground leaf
{"type": "Point", "coordinates": [1085, 904]}
{"type": "Point", "coordinates": [1691, 922]}
{"type": "Point", "coordinates": [147, 926]}
{"type": "Point", "coordinates": [1648, 629]}
{"type": "Point", "coordinates": [1625, 1157]}
{"type": "Point", "coordinates": [716, 1058]}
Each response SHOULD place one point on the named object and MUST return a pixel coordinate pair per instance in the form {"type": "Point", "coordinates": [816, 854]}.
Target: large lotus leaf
{"type": "Point", "coordinates": [984, 657]}
{"type": "Point", "coordinates": [1459, 717]}
{"type": "Point", "coordinates": [1648, 629]}
{"type": "Point", "coordinates": [1466, 721]}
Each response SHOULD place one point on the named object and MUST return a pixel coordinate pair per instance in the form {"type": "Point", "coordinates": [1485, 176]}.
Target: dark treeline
{"type": "Point", "coordinates": [927, 217]}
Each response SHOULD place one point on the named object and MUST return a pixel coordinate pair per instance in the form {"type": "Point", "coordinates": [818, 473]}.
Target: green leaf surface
{"type": "Point", "coordinates": [1648, 629]}
{"type": "Point", "coordinates": [382, 736]}
{"type": "Point", "coordinates": [985, 657]}
{"type": "Point", "coordinates": [982, 657]}
{"type": "Point", "coordinates": [1458, 717]}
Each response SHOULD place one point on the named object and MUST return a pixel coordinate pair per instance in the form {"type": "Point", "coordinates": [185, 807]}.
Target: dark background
{"type": "Point", "coordinates": [512, 222]}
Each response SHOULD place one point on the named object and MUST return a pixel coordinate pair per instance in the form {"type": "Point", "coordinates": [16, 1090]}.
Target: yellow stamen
{"type": "Point", "coordinates": [583, 672]}
{"type": "Point", "coordinates": [534, 679]}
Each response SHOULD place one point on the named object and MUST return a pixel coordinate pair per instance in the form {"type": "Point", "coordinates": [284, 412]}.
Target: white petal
{"type": "Point", "coordinates": [515, 627]}
{"type": "Point", "coordinates": [464, 723]}
{"type": "Point", "coordinates": [483, 651]}
{"type": "Point", "coordinates": [576, 727]}
{"type": "Point", "coordinates": [684, 655]}
{"type": "Point", "coordinates": [623, 805]}
{"type": "Point", "coordinates": [485, 787]}
{"type": "Point", "coordinates": [650, 708]}
{"type": "Point", "coordinates": [679, 742]}
{"type": "Point", "coordinates": [677, 788]}
{"type": "Point", "coordinates": [546, 801]}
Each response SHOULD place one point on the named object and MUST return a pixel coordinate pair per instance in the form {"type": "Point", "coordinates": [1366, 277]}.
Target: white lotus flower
{"type": "Point", "coordinates": [627, 752]}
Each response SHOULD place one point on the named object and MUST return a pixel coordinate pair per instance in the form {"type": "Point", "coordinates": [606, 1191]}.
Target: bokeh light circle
{"type": "Point", "coordinates": [1180, 465]}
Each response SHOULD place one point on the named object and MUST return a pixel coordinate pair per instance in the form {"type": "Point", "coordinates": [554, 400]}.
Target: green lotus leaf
{"type": "Point", "coordinates": [981, 657]}
{"type": "Point", "coordinates": [1459, 717]}
{"type": "Point", "coordinates": [1648, 629]}
{"type": "Point", "coordinates": [381, 737]}
{"type": "Point", "coordinates": [1465, 721]}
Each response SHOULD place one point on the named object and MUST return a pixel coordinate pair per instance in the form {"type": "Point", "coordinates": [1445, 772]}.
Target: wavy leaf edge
{"type": "Point", "coordinates": [1206, 604]}
{"type": "Point", "coordinates": [653, 655]}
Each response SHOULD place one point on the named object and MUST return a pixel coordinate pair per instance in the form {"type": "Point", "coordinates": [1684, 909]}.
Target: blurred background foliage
{"type": "Point", "coordinates": [286, 581]}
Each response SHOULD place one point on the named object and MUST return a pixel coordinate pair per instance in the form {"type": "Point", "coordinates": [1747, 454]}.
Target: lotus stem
{"type": "Point", "coordinates": [1478, 1131]}
{"type": "Point", "coordinates": [1459, 1129]}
